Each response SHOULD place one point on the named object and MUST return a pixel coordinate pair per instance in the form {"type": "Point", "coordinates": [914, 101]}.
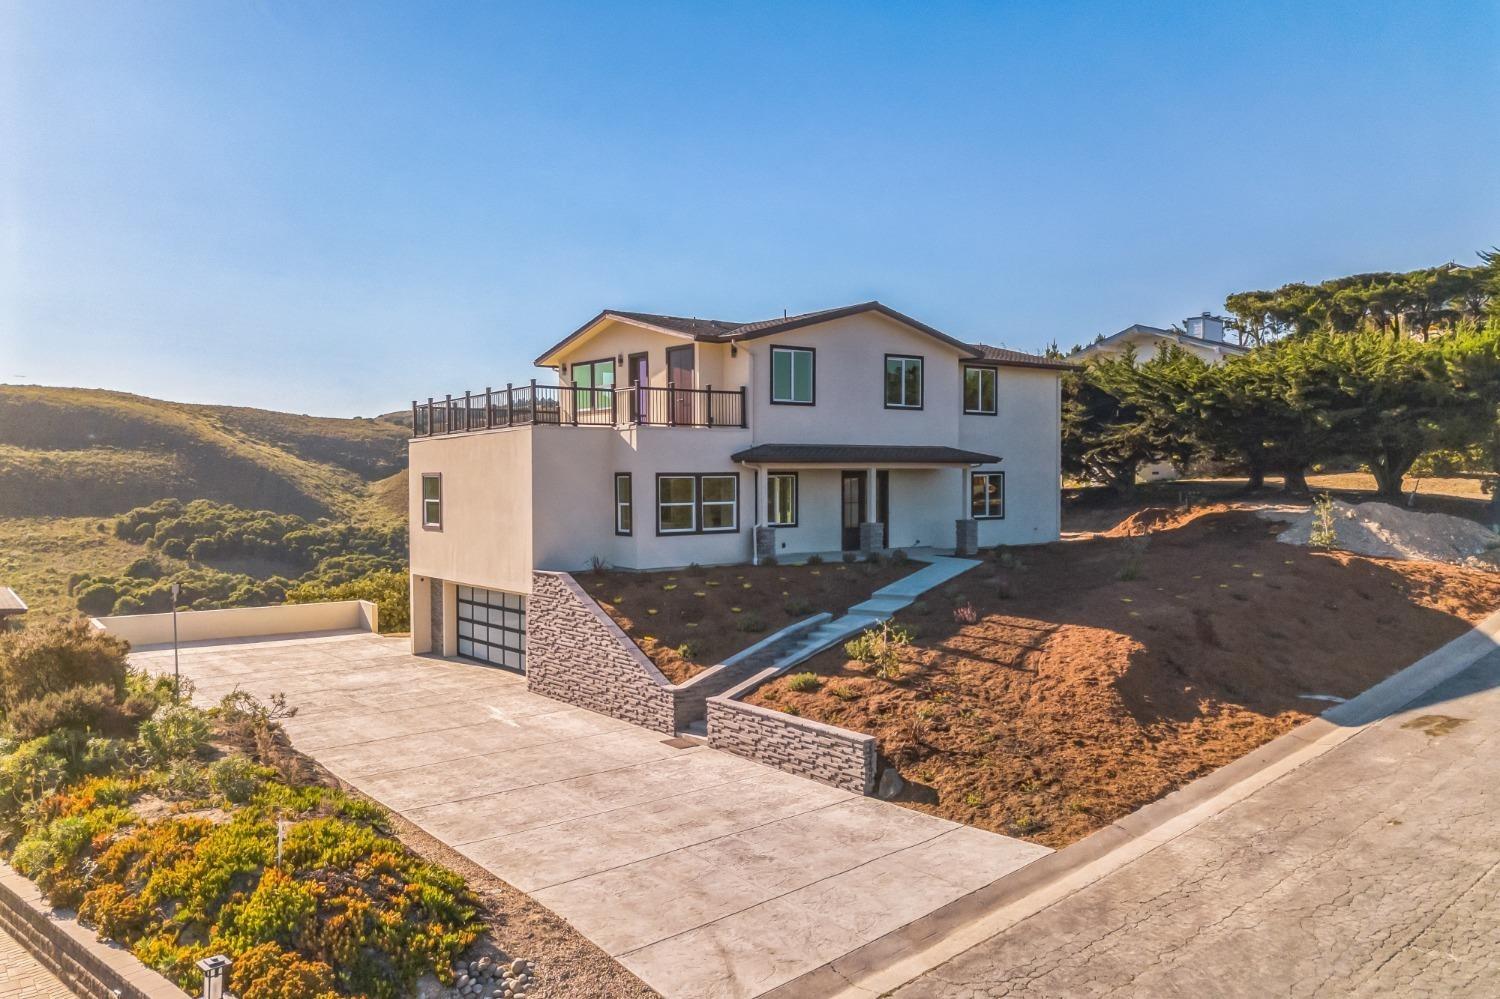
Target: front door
{"type": "Point", "coordinates": [680, 376]}
{"type": "Point", "coordinates": [639, 375]}
{"type": "Point", "coordinates": [853, 503]}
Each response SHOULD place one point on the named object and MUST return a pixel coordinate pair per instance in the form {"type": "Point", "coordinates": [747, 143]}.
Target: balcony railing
{"type": "Point", "coordinates": [563, 405]}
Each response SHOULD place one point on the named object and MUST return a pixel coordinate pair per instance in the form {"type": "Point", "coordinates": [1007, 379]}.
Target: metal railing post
{"type": "Point", "coordinates": [614, 407]}
{"type": "Point", "coordinates": [489, 408]}
{"type": "Point", "coordinates": [708, 402]}
{"type": "Point", "coordinates": [671, 404]}
{"type": "Point", "coordinates": [429, 416]}
{"type": "Point", "coordinates": [533, 400]}
{"type": "Point", "coordinates": [448, 416]}
{"type": "Point", "coordinates": [468, 411]}
{"type": "Point", "coordinates": [744, 416]}
{"type": "Point", "coordinates": [510, 405]}
{"type": "Point", "coordinates": [414, 417]}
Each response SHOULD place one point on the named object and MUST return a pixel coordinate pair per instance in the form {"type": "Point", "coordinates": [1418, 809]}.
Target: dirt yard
{"type": "Point", "coordinates": [1103, 673]}
{"type": "Point", "coordinates": [690, 619]}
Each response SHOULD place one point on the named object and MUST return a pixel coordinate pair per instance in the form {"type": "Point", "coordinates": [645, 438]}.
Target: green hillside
{"type": "Point", "coordinates": [86, 452]}
{"type": "Point", "coordinates": [71, 460]}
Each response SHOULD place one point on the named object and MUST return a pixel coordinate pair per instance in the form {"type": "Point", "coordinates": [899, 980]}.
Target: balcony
{"type": "Point", "coordinates": [565, 406]}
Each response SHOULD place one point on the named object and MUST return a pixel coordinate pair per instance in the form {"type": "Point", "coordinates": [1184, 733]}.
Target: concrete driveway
{"type": "Point", "coordinates": [1373, 870]}
{"type": "Point", "coordinates": [705, 874]}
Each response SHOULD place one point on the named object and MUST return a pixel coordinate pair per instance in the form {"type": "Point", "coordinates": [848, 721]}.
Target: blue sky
{"type": "Point", "coordinates": [334, 208]}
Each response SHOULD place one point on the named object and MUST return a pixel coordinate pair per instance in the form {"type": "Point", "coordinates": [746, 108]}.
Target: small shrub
{"type": "Point", "coordinates": [850, 558]}
{"type": "Point", "coordinates": [1009, 560]}
{"type": "Point", "coordinates": [598, 565]}
{"type": "Point", "coordinates": [899, 557]}
{"type": "Point", "coordinates": [92, 708]}
{"type": "Point", "coordinates": [38, 661]}
{"type": "Point", "coordinates": [751, 624]}
{"type": "Point", "coordinates": [769, 560]}
{"type": "Point", "coordinates": [881, 648]}
{"type": "Point", "coordinates": [1135, 556]}
{"type": "Point", "coordinates": [814, 560]}
{"type": "Point", "coordinates": [688, 649]}
{"type": "Point", "coordinates": [875, 558]}
{"type": "Point", "coordinates": [965, 614]}
{"type": "Point", "coordinates": [182, 780]}
{"type": "Point", "coordinates": [921, 607]}
{"type": "Point", "coordinates": [237, 778]}
{"type": "Point", "coordinates": [1324, 533]}
{"type": "Point", "coordinates": [798, 607]}
{"type": "Point", "coordinates": [843, 692]}
{"type": "Point", "coordinates": [803, 683]}
{"type": "Point", "coordinates": [144, 568]}
{"type": "Point", "coordinates": [177, 732]}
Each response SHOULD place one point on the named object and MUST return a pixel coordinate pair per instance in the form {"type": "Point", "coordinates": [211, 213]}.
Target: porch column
{"type": "Point", "coordinates": [870, 532]}
{"type": "Point", "coordinates": [870, 480]}
{"type": "Point", "coordinates": [966, 528]}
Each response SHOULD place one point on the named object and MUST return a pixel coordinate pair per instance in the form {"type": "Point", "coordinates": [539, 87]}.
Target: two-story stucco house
{"type": "Point", "coordinates": [664, 441]}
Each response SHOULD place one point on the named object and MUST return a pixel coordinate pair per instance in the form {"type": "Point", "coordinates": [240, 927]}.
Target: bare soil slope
{"type": "Point", "coordinates": [1078, 695]}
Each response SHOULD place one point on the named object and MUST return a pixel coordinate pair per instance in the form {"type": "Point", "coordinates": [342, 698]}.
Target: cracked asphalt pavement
{"type": "Point", "coordinates": [1369, 871]}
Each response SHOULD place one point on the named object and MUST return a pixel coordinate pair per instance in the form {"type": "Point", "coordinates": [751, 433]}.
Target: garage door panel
{"type": "Point", "coordinates": [492, 627]}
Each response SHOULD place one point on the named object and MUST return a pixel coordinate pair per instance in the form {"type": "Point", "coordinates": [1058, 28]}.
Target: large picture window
{"type": "Point", "coordinates": [624, 506]}
{"type": "Point", "coordinates": [792, 376]}
{"type": "Point", "coordinates": [432, 501]}
{"type": "Point", "coordinates": [697, 504]}
{"type": "Point", "coordinates": [987, 495]}
{"type": "Point", "coordinates": [903, 382]}
{"type": "Point", "coordinates": [979, 391]}
{"type": "Point", "coordinates": [598, 376]}
{"type": "Point", "coordinates": [781, 499]}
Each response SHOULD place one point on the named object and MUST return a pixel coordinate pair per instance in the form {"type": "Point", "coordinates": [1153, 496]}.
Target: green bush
{"type": "Point", "coordinates": [92, 708]}
{"type": "Point", "coordinates": [798, 607]}
{"type": "Point", "coordinates": [752, 624]}
{"type": "Point", "coordinates": [237, 778]}
{"type": "Point", "coordinates": [814, 559]}
{"type": "Point", "coordinates": [57, 656]}
{"type": "Point", "coordinates": [881, 648]}
{"type": "Point", "coordinates": [389, 590]}
{"type": "Point", "coordinates": [803, 682]}
{"type": "Point", "coordinates": [175, 732]}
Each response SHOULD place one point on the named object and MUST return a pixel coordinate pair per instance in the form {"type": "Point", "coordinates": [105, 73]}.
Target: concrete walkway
{"type": "Point", "coordinates": [704, 873]}
{"type": "Point", "coordinates": [1373, 870]}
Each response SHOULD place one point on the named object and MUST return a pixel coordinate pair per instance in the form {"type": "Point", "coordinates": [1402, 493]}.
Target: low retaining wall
{"type": "Point", "coordinates": [800, 746]}
{"type": "Point", "coordinates": [74, 954]}
{"type": "Point", "coordinates": [242, 622]}
{"type": "Point", "coordinates": [690, 699]}
{"type": "Point", "coordinates": [576, 654]}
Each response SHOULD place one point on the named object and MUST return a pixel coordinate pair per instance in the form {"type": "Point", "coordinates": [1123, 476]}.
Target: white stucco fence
{"type": "Point", "coordinates": [242, 622]}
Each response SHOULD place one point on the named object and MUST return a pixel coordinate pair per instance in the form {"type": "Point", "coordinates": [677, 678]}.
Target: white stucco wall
{"type": "Point", "coordinates": [1026, 433]}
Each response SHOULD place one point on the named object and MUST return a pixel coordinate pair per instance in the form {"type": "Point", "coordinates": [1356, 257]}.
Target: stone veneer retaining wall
{"type": "Point", "coordinates": [799, 746]}
{"type": "Point", "coordinates": [74, 954]}
{"type": "Point", "coordinates": [575, 653]}
{"type": "Point", "coordinates": [436, 615]}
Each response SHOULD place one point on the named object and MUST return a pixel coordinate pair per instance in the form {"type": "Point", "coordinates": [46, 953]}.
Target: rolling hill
{"type": "Point", "coordinates": [72, 458]}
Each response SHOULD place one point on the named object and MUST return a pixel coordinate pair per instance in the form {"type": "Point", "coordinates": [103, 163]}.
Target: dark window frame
{"type": "Point", "coordinates": [593, 390]}
{"type": "Point", "coordinates": [629, 503]}
{"type": "Point", "coordinates": [921, 381]}
{"type": "Point", "coordinates": [438, 524]}
{"type": "Point", "coordinates": [987, 516]}
{"type": "Point", "coordinates": [796, 497]}
{"type": "Point", "coordinates": [771, 379]}
{"type": "Point", "coordinates": [963, 389]}
{"type": "Point", "coordinates": [698, 528]}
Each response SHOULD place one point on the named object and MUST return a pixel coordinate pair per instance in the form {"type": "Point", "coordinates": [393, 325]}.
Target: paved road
{"type": "Point", "coordinates": [21, 977]}
{"type": "Point", "coordinates": [704, 873]}
{"type": "Point", "coordinates": [1371, 871]}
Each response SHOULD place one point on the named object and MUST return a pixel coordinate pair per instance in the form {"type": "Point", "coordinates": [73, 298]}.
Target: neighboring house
{"type": "Point", "coordinates": [668, 441]}
{"type": "Point", "coordinates": [1201, 336]}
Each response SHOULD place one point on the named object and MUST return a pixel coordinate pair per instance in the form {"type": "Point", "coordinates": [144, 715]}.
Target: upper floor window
{"type": "Point", "coordinates": [598, 375]}
{"type": "Point", "coordinates": [987, 495]}
{"type": "Point", "coordinates": [979, 390]}
{"type": "Point", "coordinates": [624, 505]}
{"type": "Point", "coordinates": [781, 499]}
{"type": "Point", "coordinates": [792, 376]}
{"type": "Point", "coordinates": [432, 501]}
{"type": "Point", "coordinates": [903, 382]}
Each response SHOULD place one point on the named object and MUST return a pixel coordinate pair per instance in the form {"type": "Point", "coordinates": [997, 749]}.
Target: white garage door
{"type": "Point", "coordinates": [492, 627]}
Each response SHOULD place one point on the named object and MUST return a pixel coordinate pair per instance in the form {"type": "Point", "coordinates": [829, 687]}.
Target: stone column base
{"type": "Point", "coordinates": [870, 537]}
{"type": "Point", "coordinates": [966, 541]}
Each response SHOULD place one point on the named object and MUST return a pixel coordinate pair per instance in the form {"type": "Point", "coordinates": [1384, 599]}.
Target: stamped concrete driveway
{"type": "Point", "coordinates": [1373, 870]}
{"type": "Point", "coordinates": [705, 874]}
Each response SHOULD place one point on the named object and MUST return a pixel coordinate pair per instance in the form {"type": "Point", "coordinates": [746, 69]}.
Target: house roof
{"type": "Point", "coordinates": [1140, 329]}
{"type": "Point", "coordinates": [724, 331]}
{"type": "Point", "coordinates": [862, 454]}
{"type": "Point", "coordinates": [10, 602]}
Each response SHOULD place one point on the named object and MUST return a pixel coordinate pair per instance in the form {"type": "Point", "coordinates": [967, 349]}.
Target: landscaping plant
{"type": "Point", "coordinates": [158, 823]}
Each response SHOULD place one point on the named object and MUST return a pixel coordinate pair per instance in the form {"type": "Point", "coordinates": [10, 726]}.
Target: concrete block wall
{"type": "Point", "coordinates": [800, 746]}
{"type": "Point", "coordinates": [576, 654]}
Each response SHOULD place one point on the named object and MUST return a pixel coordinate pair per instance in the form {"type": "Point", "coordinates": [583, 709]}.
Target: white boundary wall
{"type": "Point", "coordinates": [242, 622]}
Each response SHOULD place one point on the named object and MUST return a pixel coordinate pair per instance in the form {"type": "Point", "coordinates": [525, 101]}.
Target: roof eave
{"type": "Point", "coordinates": [581, 332]}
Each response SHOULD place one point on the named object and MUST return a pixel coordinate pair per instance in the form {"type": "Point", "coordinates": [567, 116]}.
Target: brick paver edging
{"type": "Point", "coordinates": [73, 953]}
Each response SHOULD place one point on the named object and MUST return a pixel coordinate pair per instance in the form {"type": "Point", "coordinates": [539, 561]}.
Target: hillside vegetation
{"type": "Point", "coordinates": [87, 452]}
{"type": "Point", "coordinates": [74, 460]}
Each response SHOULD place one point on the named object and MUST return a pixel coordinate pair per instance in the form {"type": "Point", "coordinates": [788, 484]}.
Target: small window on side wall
{"type": "Point", "coordinates": [792, 376]}
{"type": "Point", "coordinates": [781, 499]}
{"type": "Point", "coordinates": [903, 382]}
{"type": "Point", "coordinates": [979, 391]}
{"type": "Point", "coordinates": [432, 501]}
{"type": "Point", "coordinates": [624, 503]}
{"type": "Point", "coordinates": [987, 495]}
